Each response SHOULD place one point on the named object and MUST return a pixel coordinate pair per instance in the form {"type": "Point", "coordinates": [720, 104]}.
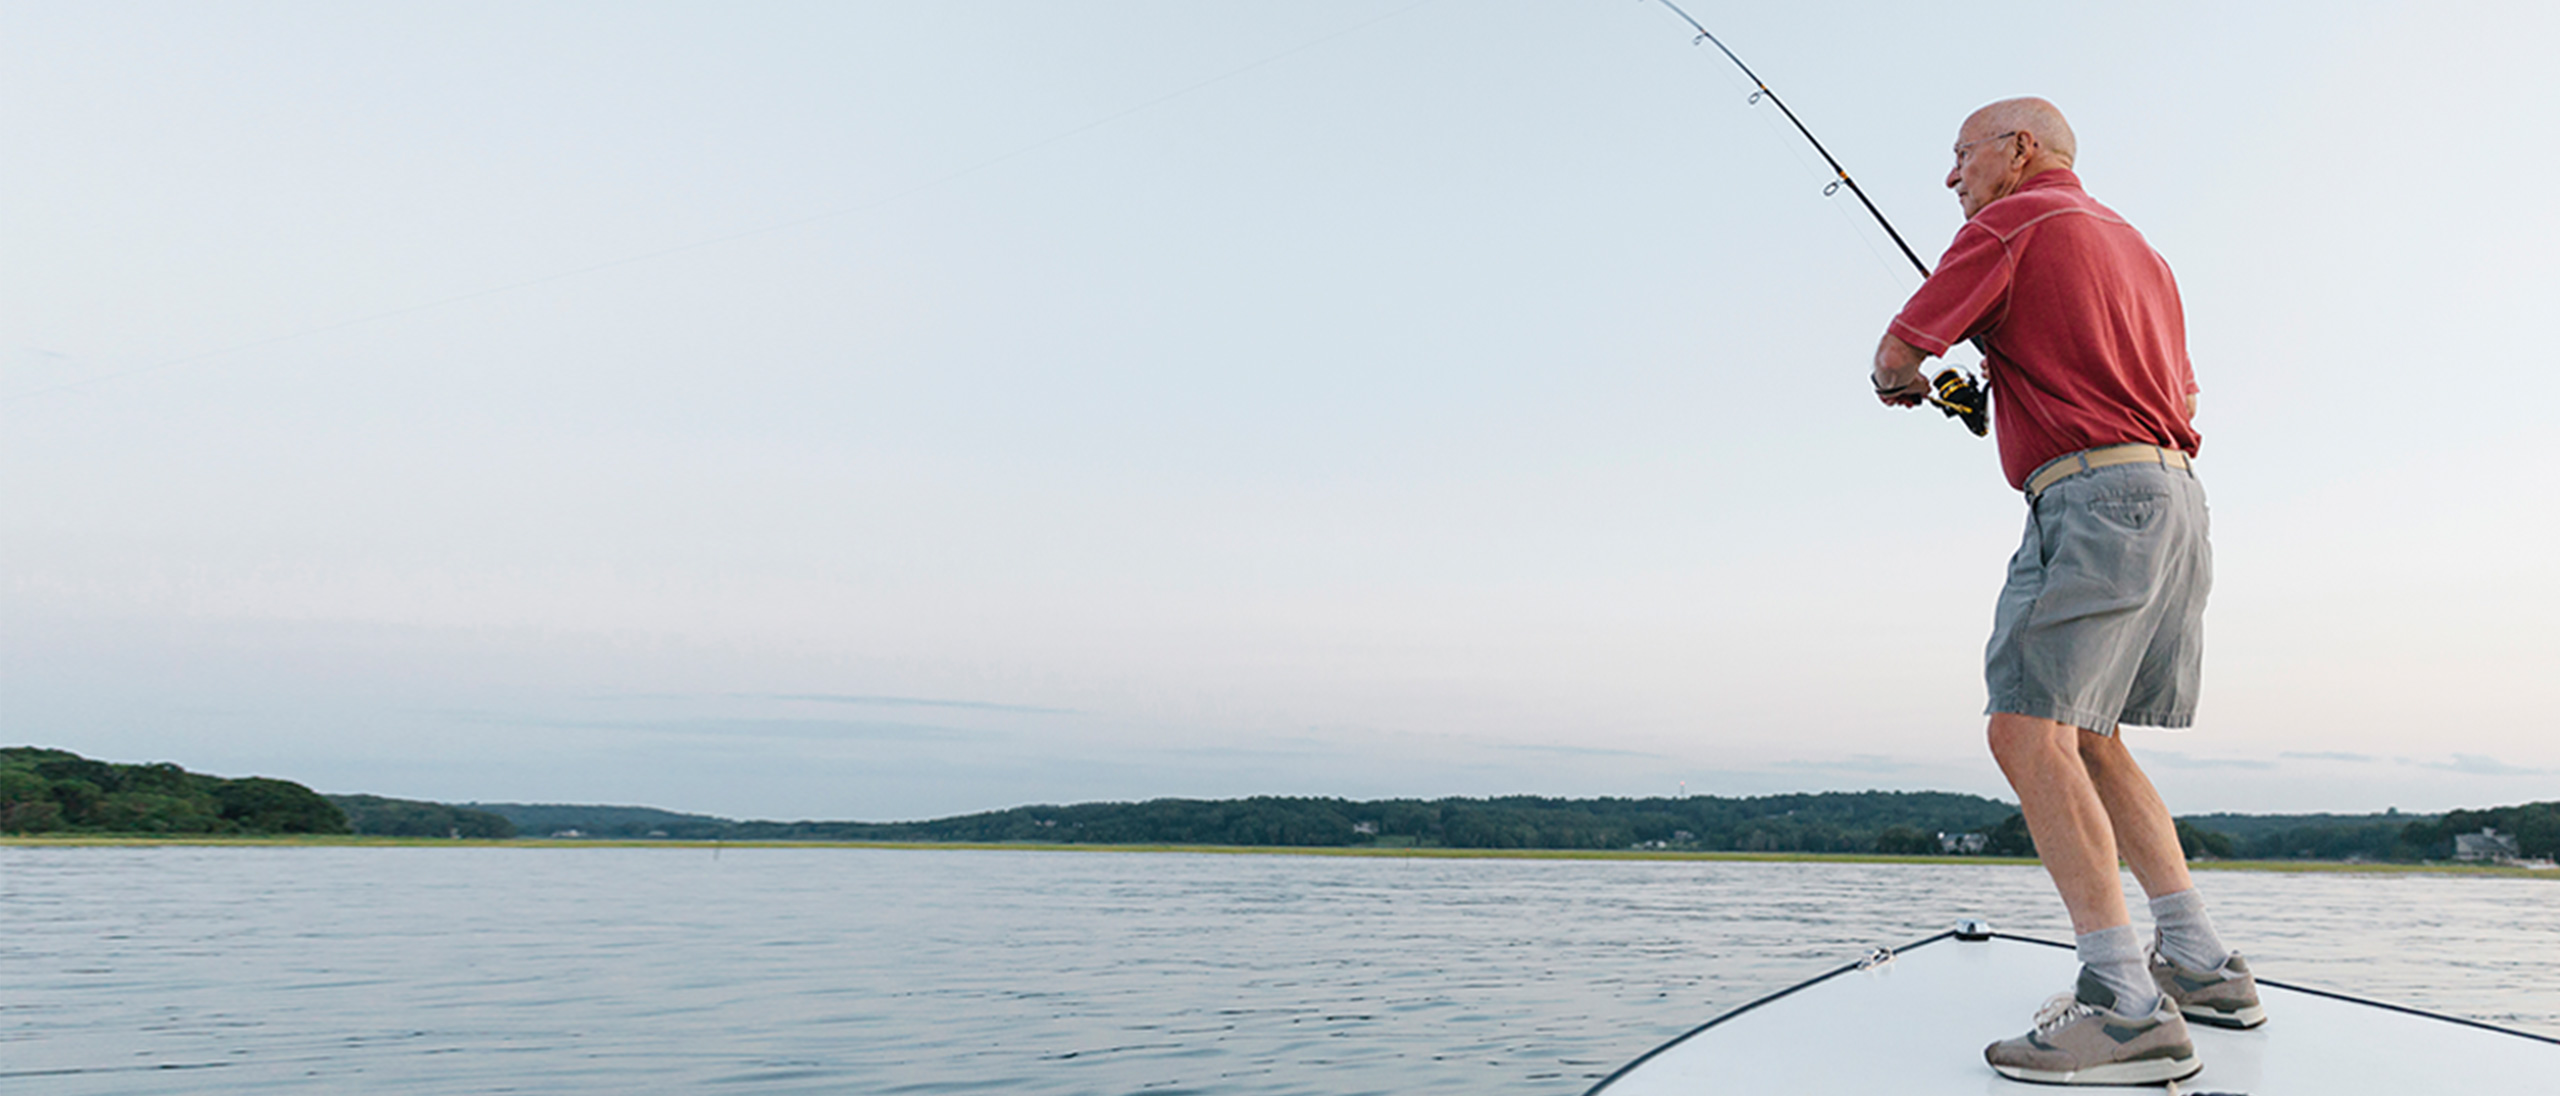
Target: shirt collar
{"type": "Point", "coordinates": [2061, 176]}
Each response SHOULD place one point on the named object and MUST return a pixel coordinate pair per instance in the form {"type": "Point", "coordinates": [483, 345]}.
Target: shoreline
{"type": "Point", "coordinates": [2321, 867]}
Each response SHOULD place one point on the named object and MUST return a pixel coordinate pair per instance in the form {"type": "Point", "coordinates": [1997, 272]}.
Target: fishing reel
{"type": "Point", "coordinates": [1958, 394]}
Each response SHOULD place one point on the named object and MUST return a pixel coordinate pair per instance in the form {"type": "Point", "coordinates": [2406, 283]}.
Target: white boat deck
{"type": "Point", "coordinates": [1916, 1026]}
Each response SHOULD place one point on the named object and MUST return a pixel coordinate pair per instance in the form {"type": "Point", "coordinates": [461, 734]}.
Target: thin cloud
{"type": "Point", "coordinates": [1862, 763]}
{"type": "Point", "coordinates": [1577, 751]}
{"type": "Point", "coordinates": [2169, 759]}
{"type": "Point", "coordinates": [906, 702]}
{"type": "Point", "coordinates": [819, 730]}
{"type": "Point", "coordinates": [2328, 755]}
{"type": "Point", "coordinates": [2480, 765]}
{"type": "Point", "coordinates": [1272, 751]}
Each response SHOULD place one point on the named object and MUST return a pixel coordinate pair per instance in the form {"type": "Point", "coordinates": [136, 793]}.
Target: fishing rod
{"type": "Point", "coordinates": [1953, 390]}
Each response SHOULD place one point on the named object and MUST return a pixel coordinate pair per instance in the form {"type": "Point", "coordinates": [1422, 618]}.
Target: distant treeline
{"type": "Point", "coordinates": [1892, 822]}
{"type": "Point", "coordinates": [56, 791]}
{"type": "Point", "coordinates": [559, 819]}
{"type": "Point", "coordinates": [375, 816]}
{"type": "Point", "coordinates": [1899, 822]}
{"type": "Point", "coordinates": [2387, 836]}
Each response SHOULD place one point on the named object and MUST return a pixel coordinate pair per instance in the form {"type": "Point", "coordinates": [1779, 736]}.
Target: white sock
{"type": "Point", "coordinates": [2186, 934]}
{"type": "Point", "coordinates": [2112, 959]}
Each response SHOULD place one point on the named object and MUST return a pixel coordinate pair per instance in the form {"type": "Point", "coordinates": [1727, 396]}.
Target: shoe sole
{"type": "Point", "coordinates": [2247, 1016]}
{"type": "Point", "coordinates": [2150, 1071]}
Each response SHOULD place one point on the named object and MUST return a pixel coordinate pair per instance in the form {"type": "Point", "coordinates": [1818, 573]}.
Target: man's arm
{"type": "Point", "coordinates": [1897, 372]}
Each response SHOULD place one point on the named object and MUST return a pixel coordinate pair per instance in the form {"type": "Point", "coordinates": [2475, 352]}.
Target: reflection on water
{"type": "Point", "coordinates": [418, 970]}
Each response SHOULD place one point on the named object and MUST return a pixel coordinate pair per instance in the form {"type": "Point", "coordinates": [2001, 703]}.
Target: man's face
{"type": "Point", "coordinates": [1986, 169]}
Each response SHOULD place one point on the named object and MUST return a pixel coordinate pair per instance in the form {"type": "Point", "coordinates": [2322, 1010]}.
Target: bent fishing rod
{"type": "Point", "coordinates": [1953, 390]}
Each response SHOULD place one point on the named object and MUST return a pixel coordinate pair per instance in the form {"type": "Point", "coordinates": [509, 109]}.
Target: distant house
{"type": "Point", "coordinates": [1970, 844]}
{"type": "Point", "coordinates": [2488, 844]}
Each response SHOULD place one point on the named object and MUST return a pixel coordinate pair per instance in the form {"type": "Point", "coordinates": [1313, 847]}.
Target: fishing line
{"type": "Point", "coordinates": [1953, 390]}
{"type": "Point", "coordinates": [713, 241]}
{"type": "Point", "coordinates": [1842, 174]}
{"type": "Point", "coordinates": [1781, 137]}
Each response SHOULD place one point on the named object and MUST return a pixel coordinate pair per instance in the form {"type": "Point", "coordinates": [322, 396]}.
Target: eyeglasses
{"type": "Point", "coordinates": [1965, 151]}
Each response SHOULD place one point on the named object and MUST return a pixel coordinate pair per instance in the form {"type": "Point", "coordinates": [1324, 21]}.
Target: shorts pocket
{"type": "Point", "coordinates": [2130, 512]}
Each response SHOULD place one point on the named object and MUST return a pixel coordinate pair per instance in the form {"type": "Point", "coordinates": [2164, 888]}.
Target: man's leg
{"type": "Point", "coordinates": [2073, 835]}
{"type": "Point", "coordinates": [2148, 839]}
{"type": "Point", "coordinates": [2145, 835]}
{"type": "Point", "coordinates": [2077, 842]}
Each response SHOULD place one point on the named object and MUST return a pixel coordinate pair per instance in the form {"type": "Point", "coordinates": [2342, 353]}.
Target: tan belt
{"type": "Point", "coordinates": [2071, 464]}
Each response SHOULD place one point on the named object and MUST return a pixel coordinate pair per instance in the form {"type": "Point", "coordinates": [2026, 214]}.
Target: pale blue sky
{"type": "Point", "coordinates": [879, 411]}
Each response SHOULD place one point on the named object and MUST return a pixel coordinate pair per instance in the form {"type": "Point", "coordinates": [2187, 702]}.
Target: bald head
{"type": "Point", "coordinates": [2035, 117]}
{"type": "Point", "coordinates": [2005, 144]}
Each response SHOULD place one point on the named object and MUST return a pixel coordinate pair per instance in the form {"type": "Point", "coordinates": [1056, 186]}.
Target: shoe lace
{"type": "Point", "coordinates": [2061, 1009]}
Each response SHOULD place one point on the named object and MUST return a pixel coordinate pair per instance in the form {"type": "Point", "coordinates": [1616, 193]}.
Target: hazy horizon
{"type": "Point", "coordinates": [751, 816]}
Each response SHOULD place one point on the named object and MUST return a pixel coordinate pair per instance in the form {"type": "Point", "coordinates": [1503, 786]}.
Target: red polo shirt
{"type": "Point", "coordinates": [2087, 342]}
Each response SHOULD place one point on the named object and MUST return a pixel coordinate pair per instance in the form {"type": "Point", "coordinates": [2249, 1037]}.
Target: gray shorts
{"type": "Point", "coordinates": [2102, 621]}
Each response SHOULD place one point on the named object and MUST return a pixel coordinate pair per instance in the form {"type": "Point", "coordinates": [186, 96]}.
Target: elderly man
{"type": "Point", "coordinates": [2101, 622]}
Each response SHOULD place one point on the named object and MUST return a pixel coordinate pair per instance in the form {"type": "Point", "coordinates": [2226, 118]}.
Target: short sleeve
{"type": "Point", "coordinates": [1968, 294]}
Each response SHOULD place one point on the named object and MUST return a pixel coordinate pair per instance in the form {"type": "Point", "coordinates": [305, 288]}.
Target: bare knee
{"type": "Point", "coordinates": [2103, 751]}
{"type": "Point", "coordinates": [2018, 738]}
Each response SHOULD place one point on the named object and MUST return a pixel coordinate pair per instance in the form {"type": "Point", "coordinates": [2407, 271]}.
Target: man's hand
{"type": "Point", "coordinates": [1897, 373]}
{"type": "Point", "coordinates": [1908, 393]}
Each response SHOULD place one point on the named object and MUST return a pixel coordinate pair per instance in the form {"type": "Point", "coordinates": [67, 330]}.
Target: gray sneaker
{"type": "Point", "coordinates": [2226, 996]}
{"type": "Point", "coordinates": [2080, 1040]}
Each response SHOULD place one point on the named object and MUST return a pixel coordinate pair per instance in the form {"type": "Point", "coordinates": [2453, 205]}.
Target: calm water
{"type": "Point", "coordinates": [421, 970]}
